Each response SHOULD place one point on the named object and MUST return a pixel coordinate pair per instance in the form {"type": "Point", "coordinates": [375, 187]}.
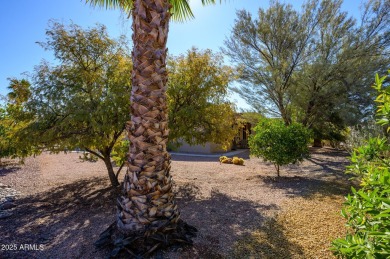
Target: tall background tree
{"type": "Point", "coordinates": [326, 64]}
{"type": "Point", "coordinates": [333, 88]}
{"type": "Point", "coordinates": [267, 51]}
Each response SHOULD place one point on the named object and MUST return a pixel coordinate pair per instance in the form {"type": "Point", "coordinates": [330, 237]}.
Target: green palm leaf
{"type": "Point", "coordinates": [181, 10]}
{"type": "Point", "coordinates": [125, 5]}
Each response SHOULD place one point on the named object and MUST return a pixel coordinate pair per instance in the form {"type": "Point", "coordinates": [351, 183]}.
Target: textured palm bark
{"type": "Point", "coordinates": [147, 204]}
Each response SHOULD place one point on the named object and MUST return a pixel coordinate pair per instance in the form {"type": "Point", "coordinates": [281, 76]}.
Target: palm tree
{"type": "Point", "coordinates": [146, 208]}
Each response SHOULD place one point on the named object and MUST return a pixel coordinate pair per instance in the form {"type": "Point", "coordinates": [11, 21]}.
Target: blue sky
{"type": "Point", "coordinates": [23, 23]}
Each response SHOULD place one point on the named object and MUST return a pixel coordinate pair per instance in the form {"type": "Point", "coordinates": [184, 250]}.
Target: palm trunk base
{"type": "Point", "coordinates": [140, 245]}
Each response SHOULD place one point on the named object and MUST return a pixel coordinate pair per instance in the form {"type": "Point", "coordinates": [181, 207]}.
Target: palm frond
{"type": "Point", "coordinates": [206, 2]}
{"type": "Point", "coordinates": [125, 5]}
{"type": "Point", "coordinates": [181, 10]}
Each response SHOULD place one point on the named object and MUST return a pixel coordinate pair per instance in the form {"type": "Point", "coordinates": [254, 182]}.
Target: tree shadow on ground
{"type": "Point", "coordinates": [328, 151]}
{"type": "Point", "coordinates": [8, 167]}
{"type": "Point", "coordinates": [268, 241]}
{"type": "Point", "coordinates": [337, 168]}
{"type": "Point", "coordinates": [66, 218]}
{"type": "Point", "coordinates": [327, 161]}
{"type": "Point", "coordinates": [323, 173]}
{"type": "Point", "coordinates": [65, 221]}
{"type": "Point", "coordinates": [228, 227]}
{"type": "Point", "coordinates": [307, 186]}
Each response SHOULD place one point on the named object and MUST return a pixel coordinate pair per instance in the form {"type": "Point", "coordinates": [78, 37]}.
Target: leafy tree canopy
{"type": "Point", "coordinates": [80, 101]}
{"type": "Point", "coordinates": [10, 144]}
{"type": "Point", "coordinates": [197, 89]}
{"type": "Point", "coordinates": [83, 101]}
{"type": "Point", "coordinates": [291, 66]}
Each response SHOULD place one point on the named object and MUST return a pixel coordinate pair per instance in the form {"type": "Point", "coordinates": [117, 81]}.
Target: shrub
{"type": "Point", "coordinates": [367, 210]}
{"type": "Point", "coordinates": [235, 160]}
{"type": "Point", "coordinates": [238, 161]}
{"type": "Point", "coordinates": [278, 143]}
{"type": "Point", "coordinates": [225, 160]}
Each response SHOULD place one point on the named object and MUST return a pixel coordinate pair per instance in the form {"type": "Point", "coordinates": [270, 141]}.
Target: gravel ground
{"type": "Point", "coordinates": [62, 204]}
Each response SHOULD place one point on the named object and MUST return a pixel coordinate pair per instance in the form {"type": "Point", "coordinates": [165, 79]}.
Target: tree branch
{"type": "Point", "coordinates": [95, 153]}
{"type": "Point", "coordinates": [119, 170]}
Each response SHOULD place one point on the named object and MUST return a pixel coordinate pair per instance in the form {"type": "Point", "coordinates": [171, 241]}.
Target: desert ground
{"type": "Point", "coordinates": [57, 205]}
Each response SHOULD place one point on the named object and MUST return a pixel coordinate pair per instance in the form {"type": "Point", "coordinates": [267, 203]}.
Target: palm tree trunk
{"type": "Point", "coordinates": [147, 204]}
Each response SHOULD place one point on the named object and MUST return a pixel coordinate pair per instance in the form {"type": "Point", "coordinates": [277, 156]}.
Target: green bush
{"type": "Point", "coordinates": [367, 210]}
{"type": "Point", "coordinates": [278, 143]}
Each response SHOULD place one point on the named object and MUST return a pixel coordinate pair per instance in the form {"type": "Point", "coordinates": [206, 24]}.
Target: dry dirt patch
{"type": "Point", "coordinates": [240, 211]}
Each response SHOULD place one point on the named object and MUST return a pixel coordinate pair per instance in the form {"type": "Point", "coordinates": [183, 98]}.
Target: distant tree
{"type": "Point", "coordinates": [197, 99]}
{"type": "Point", "coordinates": [291, 65]}
{"type": "Point", "coordinates": [332, 85]}
{"type": "Point", "coordinates": [79, 102]}
{"type": "Point", "coordinates": [6, 147]}
{"type": "Point", "coordinates": [10, 145]}
{"type": "Point", "coordinates": [267, 51]}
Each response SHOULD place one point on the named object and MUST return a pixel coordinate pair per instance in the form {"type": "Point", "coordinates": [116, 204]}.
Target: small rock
{"type": "Point", "coordinates": [5, 214]}
{"type": "Point", "coordinates": [7, 205]}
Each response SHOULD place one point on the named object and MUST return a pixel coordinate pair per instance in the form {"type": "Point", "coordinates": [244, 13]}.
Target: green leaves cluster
{"type": "Point", "coordinates": [367, 210]}
{"type": "Point", "coordinates": [383, 101]}
{"type": "Point", "coordinates": [80, 102]}
{"type": "Point", "coordinates": [197, 99]}
{"type": "Point", "coordinates": [7, 148]}
{"type": "Point", "coordinates": [13, 118]}
{"type": "Point", "coordinates": [278, 143]}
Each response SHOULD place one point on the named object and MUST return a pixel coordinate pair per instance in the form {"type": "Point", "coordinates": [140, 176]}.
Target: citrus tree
{"type": "Point", "coordinates": [278, 143]}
